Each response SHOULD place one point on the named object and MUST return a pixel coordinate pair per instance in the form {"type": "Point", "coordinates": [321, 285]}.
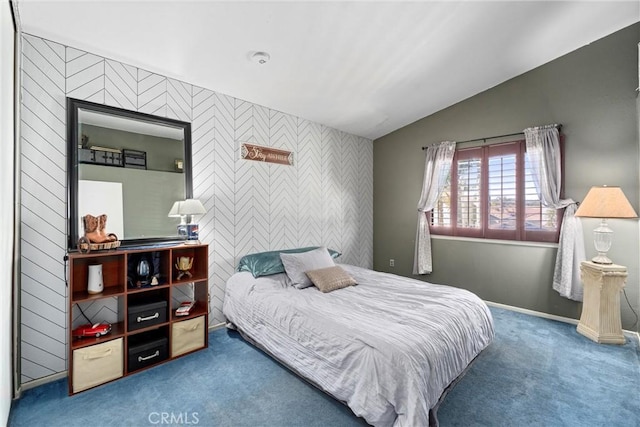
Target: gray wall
{"type": "Point", "coordinates": [591, 91]}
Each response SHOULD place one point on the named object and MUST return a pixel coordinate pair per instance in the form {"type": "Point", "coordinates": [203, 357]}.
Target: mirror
{"type": "Point", "coordinates": [131, 166]}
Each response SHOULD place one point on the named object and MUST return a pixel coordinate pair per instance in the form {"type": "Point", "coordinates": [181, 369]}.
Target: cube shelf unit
{"type": "Point", "coordinates": [147, 331]}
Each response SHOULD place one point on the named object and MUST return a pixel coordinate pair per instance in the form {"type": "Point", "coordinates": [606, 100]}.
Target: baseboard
{"type": "Point", "coordinates": [216, 326]}
{"type": "Point", "coordinates": [42, 381]}
{"type": "Point", "coordinates": [550, 316]}
{"type": "Point", "coordinates": [533, 312]}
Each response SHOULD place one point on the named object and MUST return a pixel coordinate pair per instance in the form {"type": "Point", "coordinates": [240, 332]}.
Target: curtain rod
{"type": "Point", "coordinates": [491, 137]}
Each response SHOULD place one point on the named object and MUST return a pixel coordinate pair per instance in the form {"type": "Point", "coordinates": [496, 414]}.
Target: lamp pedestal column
{"type": "Point", "coordinates": [600, 318]}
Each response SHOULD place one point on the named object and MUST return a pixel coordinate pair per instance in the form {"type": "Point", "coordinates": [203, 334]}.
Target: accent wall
{"type": "Point", "coordinates": [325, 198]}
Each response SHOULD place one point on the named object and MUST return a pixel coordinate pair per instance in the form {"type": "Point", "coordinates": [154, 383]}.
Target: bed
{"type": "Point", "coordinates": [389, 346]}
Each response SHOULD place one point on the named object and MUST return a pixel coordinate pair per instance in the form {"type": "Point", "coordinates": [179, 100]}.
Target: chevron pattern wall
{"type": "Point", "coordinates": [326, 198]}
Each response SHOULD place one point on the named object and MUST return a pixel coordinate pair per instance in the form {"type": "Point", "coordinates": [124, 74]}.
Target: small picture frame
{"type": "Point", "coordinates": [192, 231]}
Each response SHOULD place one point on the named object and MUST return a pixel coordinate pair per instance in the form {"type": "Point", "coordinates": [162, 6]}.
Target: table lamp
{"type": "Point", "coordinates": [184, 209]}
{"type": "Point", "coordinates": [604, 202]}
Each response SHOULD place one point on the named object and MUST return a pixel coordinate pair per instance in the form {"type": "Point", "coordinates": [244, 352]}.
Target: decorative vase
{"type": "Point", "coordinates": [95, 284]}
{"type": "Point", "coordinates": [143, 270]}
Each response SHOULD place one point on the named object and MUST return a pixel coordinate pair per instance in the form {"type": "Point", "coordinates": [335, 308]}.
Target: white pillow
{"type": "Point", "coordinates": [297, 264]}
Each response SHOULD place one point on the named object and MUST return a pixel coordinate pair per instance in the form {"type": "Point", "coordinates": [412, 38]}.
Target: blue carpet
{"type": "Point", "coordinates": [540, 372]}
{"type": "Point", "coordinates": [537, 372]}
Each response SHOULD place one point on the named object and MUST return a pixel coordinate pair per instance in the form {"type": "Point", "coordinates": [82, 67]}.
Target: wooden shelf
{"type": "Point", "coordinates": [148, 288]}
{"type": "Point", "coordinates": [118, 267]}
{"type": "Point", "coordinates": [186, 281]}
{"type": "Point", "coordinates": [147, 329]}
{"type": "Point", "coordinates": [198, 309]}
{"type": "Point", "coordinates": [112, 291]}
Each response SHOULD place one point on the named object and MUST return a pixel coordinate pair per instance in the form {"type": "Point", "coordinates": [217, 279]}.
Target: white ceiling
{"type": "Point", "coordinates": [366, 68]}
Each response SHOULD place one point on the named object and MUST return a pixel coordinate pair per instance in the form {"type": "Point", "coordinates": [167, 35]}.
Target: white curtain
{"type": "Point", "coordinates": [543, 150]}
{"type": "Point", "coordinates": [436, 170]}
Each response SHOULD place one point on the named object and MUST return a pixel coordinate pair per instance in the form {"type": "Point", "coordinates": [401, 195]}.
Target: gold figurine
{"type": "Point", "coordinates": [184, 264]}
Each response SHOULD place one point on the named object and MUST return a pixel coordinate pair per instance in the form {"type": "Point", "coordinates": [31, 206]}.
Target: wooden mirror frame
{"type": "Point", "coordinates": [73, 106]}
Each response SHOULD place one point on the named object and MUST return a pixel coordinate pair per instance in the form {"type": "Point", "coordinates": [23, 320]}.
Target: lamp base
{"type": "Point", "coordinates": [601, 259]}
{"type": "Point", "coordinates": [602, 237]}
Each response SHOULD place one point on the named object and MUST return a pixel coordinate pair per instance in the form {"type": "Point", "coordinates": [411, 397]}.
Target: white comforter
{"type": "Point", "coordinates": [388, 347]}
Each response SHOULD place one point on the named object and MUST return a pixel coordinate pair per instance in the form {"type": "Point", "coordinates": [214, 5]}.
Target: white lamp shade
{"type": "Point", "coordinates": [175, 210]}
{"type": "Point", "coordinates": [187, 207]}
{"type": "Point", "coordinates": [192, 207]}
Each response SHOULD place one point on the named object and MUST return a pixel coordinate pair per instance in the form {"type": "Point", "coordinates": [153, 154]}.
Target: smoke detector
{"type": "Point", "coordinates": [260, 57]}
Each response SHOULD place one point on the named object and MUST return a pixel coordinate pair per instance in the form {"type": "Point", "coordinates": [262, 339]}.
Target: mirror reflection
{"type": "Point", "coordinates": [131, 167]}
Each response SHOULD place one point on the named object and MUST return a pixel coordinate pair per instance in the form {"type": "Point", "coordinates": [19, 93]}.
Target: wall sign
{"type": "Point", "coordinates": [265, 154]}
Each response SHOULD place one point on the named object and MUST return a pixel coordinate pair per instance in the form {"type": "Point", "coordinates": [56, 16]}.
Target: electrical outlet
{"type": "Point", "coordinates": [392, 262]}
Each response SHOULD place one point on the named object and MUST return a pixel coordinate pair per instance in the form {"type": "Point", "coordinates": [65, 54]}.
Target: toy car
{"type": "Point", "coordinates": [95, 330]}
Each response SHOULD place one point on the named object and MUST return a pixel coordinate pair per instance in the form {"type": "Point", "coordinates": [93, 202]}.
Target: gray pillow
{"type": "Point", "coordinates": [296, 265]}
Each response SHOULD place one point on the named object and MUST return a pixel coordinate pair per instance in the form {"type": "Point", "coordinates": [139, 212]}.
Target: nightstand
{"type": "Point", "coordinates": [600, 318]}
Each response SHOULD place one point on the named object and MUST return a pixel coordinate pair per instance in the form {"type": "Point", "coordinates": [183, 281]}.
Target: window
{"type": "Point", "coordinates": [490, 193]}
